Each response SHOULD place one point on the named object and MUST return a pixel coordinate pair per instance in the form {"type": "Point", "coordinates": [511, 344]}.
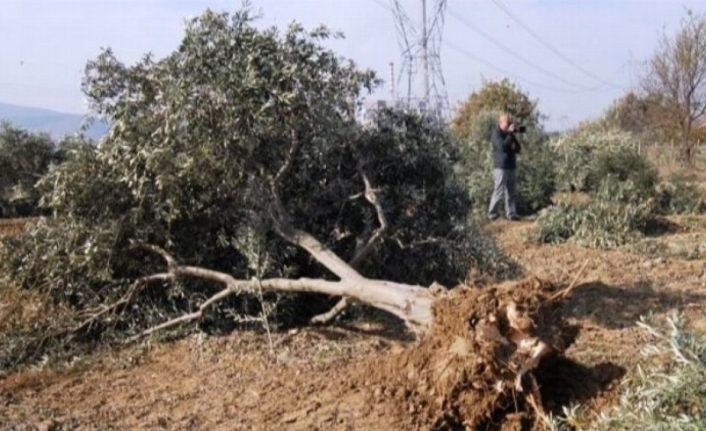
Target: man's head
{"type": "Point", "coordinates": [504, 121]}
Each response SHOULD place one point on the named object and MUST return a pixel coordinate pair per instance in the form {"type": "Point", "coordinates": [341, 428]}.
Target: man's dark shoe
{"type": "Point", "coordinates": [514, 218]}
{"type": "Point", "coordinates": [492, 217]}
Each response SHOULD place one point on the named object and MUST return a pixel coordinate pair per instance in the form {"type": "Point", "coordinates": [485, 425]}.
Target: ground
{"type": "Point", "coordinates": [315, 378]}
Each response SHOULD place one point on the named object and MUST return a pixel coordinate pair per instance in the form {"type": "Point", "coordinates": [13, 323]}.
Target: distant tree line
{"type": "Point", "coordinates": [25, 157]}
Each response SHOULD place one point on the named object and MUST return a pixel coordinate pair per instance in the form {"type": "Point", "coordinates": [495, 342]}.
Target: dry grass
{"type": "Point", "coordinates": [667, 160]}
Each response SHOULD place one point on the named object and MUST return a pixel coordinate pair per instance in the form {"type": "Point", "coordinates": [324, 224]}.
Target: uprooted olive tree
{"type": "Point", "coordinates": [239, 155]}
{"type": "Point", "coordinates": [235, 180]}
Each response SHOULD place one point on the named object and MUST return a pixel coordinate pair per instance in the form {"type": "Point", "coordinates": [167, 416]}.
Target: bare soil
{"type": "Point", "coordinates": [465, 374]}
{"type": "Point", "coordinates": [9, 227]}
{"type": "Point", "coordinates": [356, 375]}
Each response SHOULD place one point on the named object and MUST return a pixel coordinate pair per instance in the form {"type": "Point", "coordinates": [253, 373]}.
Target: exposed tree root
{"type": "Point", "coordinates": [484, 362]}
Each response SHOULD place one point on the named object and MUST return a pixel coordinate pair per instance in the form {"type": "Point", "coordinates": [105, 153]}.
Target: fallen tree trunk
{"type": "Point", "coordinates": [410, 303]}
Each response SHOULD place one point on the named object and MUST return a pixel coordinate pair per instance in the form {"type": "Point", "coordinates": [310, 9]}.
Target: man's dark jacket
{"type": "Point", "coordinates": [503, 154]}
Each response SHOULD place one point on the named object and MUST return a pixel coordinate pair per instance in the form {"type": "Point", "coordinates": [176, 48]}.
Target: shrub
{"type": "Point", "coordinates": [678, 196]}
{"type": "Point", "coordinates": [606, 165]}
{"type": "Point", "coordinates": [587, 154]}
{"type": "Point", "coordinates": [667, 393]}
{"type": "Point", "coordinates": [615, 215]}
{"type": "Point", "coordinates": [558, 223]}
{"type": "Point", "coordinates": [624, 165]}
{"type": "Point", "coordinates": [535, 172]}
{"type": "Point", "coordinates": [24, 158]}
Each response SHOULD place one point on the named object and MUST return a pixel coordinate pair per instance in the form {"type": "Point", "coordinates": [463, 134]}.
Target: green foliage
{"type": "Point", "coordinates": [615, 215]}
{"type": "Point", "coordinates": [495, 96]}
{"type": "Point", "coordinates": [678, 196]}
{"type": "Point", "coordinates": [623, 165]}
{"type": "Point", "coordinates": [24, 158]}
{"type": "Point", "coordinates": [667, 393]}
{"type": "Point", "coordinates": [558, 223]}
{"type": "Point", "coordinates": [588, 154]}
{"type": "Point", "coordinates": [195, 141]}
{"type": "Point", "coordinates": [621, 184]}
{"type": "Point", "coordinates": [535, 171]}
{"type": "Point", "coordinates": [431, 238]}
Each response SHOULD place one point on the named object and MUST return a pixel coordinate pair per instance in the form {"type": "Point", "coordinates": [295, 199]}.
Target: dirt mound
{"type": "Point", "coordinates": [492, 361]}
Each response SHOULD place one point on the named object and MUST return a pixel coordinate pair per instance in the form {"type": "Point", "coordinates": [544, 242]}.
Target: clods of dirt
{"type": "Point", "coordinates": [492, 360]}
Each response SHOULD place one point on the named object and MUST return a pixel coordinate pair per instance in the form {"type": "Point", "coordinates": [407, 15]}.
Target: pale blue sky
{"type": "Point", "coordinates": [46, 43]}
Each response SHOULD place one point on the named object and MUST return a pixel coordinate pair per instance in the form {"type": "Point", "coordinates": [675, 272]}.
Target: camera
{"type": "Point", "coordinates": [520, 128]}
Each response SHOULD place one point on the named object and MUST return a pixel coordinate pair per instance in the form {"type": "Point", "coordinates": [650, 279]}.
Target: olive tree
{"type": "Point", "coordinates": [235, 177]}
{"type": "Point", "coordinates": [234, 169]}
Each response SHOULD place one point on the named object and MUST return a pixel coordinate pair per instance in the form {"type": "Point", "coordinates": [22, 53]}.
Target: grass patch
{"type": "Point", "coordinates": [667, 392]}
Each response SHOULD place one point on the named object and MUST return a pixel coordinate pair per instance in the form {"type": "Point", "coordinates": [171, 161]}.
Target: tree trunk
{"type": "Point", "coordinates": [685, 147]}
{"type": "Point", "coordinates": [686, 141]}
{"type": "Point", "coordinates": [410, 303]}
{"type": "Point", "coordinates": [686, 151]}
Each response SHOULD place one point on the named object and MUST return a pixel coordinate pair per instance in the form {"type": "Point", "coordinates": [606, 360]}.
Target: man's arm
{"type": "Point", "coordinates": [510, 144]}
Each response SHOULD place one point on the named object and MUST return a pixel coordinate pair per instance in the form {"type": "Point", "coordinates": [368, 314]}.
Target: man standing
{"type": "Point", "coordinates": [505, 147]}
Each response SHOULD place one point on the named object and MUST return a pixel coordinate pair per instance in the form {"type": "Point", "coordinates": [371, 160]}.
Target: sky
{"type": "Point", "coordinates": [574, 56]}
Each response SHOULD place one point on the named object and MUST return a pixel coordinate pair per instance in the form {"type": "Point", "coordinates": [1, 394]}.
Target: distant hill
{"type": "Point", "coordinates": [56, 124]}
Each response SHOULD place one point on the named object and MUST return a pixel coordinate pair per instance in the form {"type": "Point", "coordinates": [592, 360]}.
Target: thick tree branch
{"type": "Point", "coordinates": [410, 303]}
{"type": "Point", "coordinates": [361, 253]}
{"type": "Point", "coordinates": [372, 197]}
{"type": "Point", "coordinates": [327, 317]}
{"type": "Point", "coordinates": [319, 252]}
{"type": "Point", "coordinates": [284, 170]}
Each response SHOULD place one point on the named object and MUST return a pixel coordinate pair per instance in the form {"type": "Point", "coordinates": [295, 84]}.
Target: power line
{"type": "Point", "coordinates": [487, 63]}
{"type": "Point", "coordinates": [420, 47]}
{"type": "Point", "coordinates": [490, 65]}
{"type": "Point", "coordinates": [547, 45]}
{"type": "Point", "coordinates": [515, 54]}
{"type": "Point", "coordinates": [506, 72]}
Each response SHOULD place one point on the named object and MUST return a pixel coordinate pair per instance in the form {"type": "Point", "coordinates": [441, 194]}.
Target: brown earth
{"type": "Point", "coordinates": [339, 378]}
{"type": "Point", "coordinates": [467, 372]}
{"type": "Point", "coordinates": [9, 227]}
